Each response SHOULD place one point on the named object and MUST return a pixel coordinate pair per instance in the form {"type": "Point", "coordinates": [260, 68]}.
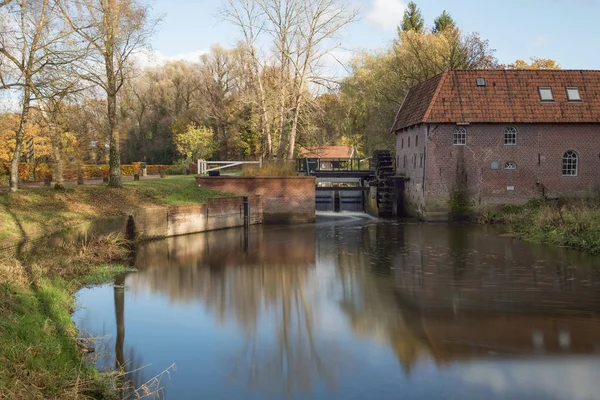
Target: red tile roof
{"type": "Point", "coordinates": [510, 96]}
{"type": "Point", "coordinates": [327, 152]}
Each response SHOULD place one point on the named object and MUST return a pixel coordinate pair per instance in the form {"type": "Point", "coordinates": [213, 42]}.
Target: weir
{"type": "Point", "coordinates": [351, 184]}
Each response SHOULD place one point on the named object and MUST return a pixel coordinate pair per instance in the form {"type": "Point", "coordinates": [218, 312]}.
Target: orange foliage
{"type": "Point", "coordinates": [43, 171]}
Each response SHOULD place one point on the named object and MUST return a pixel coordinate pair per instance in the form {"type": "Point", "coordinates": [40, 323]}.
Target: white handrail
{"type": "Point", "coordinates": [202, 165]}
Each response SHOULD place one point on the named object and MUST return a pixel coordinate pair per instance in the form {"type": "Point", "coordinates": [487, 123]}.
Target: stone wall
{"type": "Point", "coordinates": [218, 213]}
{"type": "Point", "coordinates": [285, 199]}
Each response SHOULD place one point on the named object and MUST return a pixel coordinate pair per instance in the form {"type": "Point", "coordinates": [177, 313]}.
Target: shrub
{"type": "Point", "coordinates": [269, 169]}
{"type": "Point", "coordinates": [175, 170]}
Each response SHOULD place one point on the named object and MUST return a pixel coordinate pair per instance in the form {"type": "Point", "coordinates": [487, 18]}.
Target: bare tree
{"type": "Point", "coordinates": [246, 15]}
{"type": "Point", "coordinates": [114, 30]}
{"type": "Point", "coordinates": [33, 53]}
{"type": "Point", "coordinates": [319, 22]}
{"type": "Point", "coordinates": [302, 32]}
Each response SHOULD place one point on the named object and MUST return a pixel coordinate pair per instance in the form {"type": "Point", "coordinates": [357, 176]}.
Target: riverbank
{"type": "Point", "coordinates": [565, 223]}
{"type": "Point", "coordinates": [40, 357]}
{"type": "Point", "coordinates": [37, 212]}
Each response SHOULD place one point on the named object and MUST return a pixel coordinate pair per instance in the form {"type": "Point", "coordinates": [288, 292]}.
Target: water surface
{"type": "Point", "coordinates": [353, 308]}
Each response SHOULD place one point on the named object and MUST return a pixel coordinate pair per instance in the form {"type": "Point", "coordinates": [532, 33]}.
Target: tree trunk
{"type": "Point", "coordinates": [114, 158]}
{"type": "Point", "coordinates": [294, 128]}
{"type": "Point", "coordinates": [265, 126]}
{"type": "Point", "coordinates": [14, 165]}
{"type": "Point", "coordinates": [58, 172]}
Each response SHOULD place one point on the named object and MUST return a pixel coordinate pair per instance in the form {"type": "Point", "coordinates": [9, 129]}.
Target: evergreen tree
{"type": "Point", "coordinates": [412, 20]}
{"type": "Point", "coordinates": [443, 22]}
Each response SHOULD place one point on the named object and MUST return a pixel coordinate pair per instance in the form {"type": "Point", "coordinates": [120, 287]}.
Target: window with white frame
{"type": "Point", "coordinates": [510, 136]}
{"type": "Point", "coordinates": [460, 136]}
{"type": "Point", "coordinates": [573, 94]}
{"type": "Point", "coordinates": [570, 163]}
{"type": "Point", "coordinates": [510, 165]}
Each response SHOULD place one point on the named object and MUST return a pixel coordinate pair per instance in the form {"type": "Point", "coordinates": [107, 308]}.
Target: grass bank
{"type": "Point", "coordinates": [37, 212]}
{"type": "Point", "coordinates": [40, 357]}
{"type": "Point", "coordinates": [566, 223]}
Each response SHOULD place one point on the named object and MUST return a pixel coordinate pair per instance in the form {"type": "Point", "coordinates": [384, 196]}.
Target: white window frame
{"type": "Point", "coordinates": [568, 157]}
{"type": "Point", "coordinates": [459, 136]}
{"type": "Point", "coordinates": [544, 88]}
{"type": "Point", "coordinates": [508, 132]}
{"type": "Point", "coordinates": [510, 166]}
{"type": "Point", "coordinates": [574, 88]}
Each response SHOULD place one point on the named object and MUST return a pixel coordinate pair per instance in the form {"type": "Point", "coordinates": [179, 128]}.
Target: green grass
{"type": "Point", "coordinates": [104, 273]}
{"type": "Point", "coordinates": [39, 357]}
{"type": "Point", "coordinates": [41, 211]}
{"type": "Point", "coordinates": [565, 223]}
{"type": "Point", "coordinates": [174, 190]}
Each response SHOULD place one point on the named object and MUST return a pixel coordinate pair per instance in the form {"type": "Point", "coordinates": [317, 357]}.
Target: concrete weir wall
{"type": "Point", "coordinates": [218, 213]}
{"type": "Point", "coordinates": [286, 199]}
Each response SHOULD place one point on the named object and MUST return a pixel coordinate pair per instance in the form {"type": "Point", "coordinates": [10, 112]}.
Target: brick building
{"type": "Point", "coordinates": [498, 137]}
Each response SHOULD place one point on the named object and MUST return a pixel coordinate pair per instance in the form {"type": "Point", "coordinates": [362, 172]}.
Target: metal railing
{"type": "Point", "coordinates": [334, 164]}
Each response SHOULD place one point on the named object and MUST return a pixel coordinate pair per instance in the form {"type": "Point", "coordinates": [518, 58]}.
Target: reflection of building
{"type": "Point", "coordinates": [451, 293]}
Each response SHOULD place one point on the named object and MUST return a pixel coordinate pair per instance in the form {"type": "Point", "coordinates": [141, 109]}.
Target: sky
{"type": "Point", "coordinates": [563, 30]}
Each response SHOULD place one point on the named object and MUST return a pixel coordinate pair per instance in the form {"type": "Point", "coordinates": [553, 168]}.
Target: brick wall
{"type": "Point", "coordinates": [285, 199]}
{"type": "Point", "coordinates": [410, 162]}
{"type": "Point", "coordinates": [219, 213]}
{"type": "Point", "coordinates": [538, 155]}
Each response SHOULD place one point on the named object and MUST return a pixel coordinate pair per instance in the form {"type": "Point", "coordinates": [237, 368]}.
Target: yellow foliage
{"type": "Point", "coordinates": [536, 63]}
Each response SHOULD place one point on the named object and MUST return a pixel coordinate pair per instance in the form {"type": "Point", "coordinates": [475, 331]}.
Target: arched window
{"type": "Point", "coordinates": [510, 136]}
{"type": "Point", "coordinates": [570, 163]}
{"type": "Point", "coordinates": [460, 136]}
{"type": "Point", "coordinates": [510, 165]}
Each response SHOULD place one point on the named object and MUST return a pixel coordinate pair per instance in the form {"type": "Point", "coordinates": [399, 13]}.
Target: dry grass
{"type": "Point", "coordinates": [270, 169]}
{"type": "Point", "coordinates": [41, 211]}
{"type": "Point", "coordinates": [39, 356]}
{"type": "Point", "coordinates": [566, 223]}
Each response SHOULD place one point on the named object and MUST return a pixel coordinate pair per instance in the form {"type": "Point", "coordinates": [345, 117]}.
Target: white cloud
{"type": "Point", "coordinates": [151, 58]}
{"type": "Point", "coordinates": [386, 14]}
{"type": "Point", "coordinates": [568, 378]}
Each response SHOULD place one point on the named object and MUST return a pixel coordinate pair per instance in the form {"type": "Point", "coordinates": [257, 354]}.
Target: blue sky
{"type": "Point", "coordinates": [564, 30]}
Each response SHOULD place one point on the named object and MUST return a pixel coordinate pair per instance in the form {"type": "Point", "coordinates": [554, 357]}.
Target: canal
{"type": "Point", "coordinates": [352, 308]}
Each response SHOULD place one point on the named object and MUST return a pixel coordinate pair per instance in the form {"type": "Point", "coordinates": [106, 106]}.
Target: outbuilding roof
{"type": "Point", "coordinates": [502, 96]}
{"type": "Point", "coordinates": [327, 152]}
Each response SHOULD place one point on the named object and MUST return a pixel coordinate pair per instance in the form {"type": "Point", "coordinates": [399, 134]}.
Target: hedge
{"type": "Point", "coordinates": [88, 171]}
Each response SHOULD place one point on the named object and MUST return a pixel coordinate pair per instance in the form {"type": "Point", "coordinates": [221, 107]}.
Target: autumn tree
{"type": "Point", "coordinates": [412, 19]}
{"type": "Point", "coordinates": [114, 30]}
{"type": "Point", "coordinates": [536, 63]}
{"type": "Point", "coordinates": [193, 142]}
{"type": "Point", "coordinates": [34, 51]}
{"type": "Point", "coordinates": [248, 17]}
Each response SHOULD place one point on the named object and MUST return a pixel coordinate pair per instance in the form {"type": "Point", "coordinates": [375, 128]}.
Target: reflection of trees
{"type": "Point", "coordinates": [265, 284]}
{"type": "Point", "coordinates": [294, 361]}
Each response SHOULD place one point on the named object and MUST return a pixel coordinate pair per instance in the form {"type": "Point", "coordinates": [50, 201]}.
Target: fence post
{"type": "Point", "coordinates": [246, 212]}
{"type": "Point", "coordinates": [260, 162]}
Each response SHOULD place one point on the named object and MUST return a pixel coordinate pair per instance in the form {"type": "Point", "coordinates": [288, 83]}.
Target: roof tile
{"type": "Point", "coordinates": [510, 96]}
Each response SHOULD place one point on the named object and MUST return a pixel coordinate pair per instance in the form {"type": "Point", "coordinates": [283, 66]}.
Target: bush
{"type": "Point", "coordinates": [560, 222]}
{"type": "Point", "coordinates": [175, 170]}
{"type": "Point", "coordinates": [270, 169]}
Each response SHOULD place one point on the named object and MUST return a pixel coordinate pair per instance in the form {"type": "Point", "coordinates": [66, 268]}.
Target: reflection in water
{"type": "Point", "coordinates": [340, 309]}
